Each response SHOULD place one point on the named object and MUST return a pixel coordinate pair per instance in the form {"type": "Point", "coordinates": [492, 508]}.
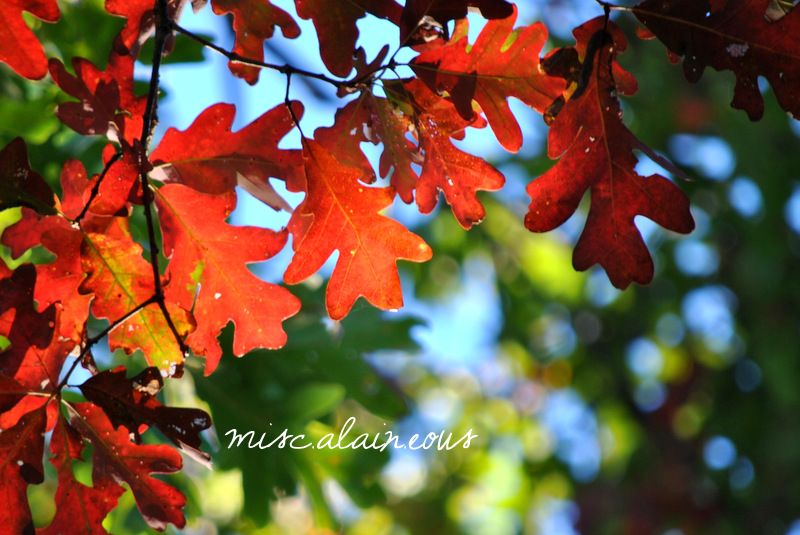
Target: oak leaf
{"type": "Point", "coordinates": [596, 153]}
{"type": "Point", "coordinates": [254, 22]}
{"type": "Point", "coordinates": [58, 282]}
{"type": "Point", "coordinates": [116, 459]}
{"type": "Point", "coordinates": [107, 104]}
{"type": "Point", "coordinates": [417, 14]}
{"type": "Point", "coordinates": [19, 47]}
{"type": "Point", "coordinates": [121, 280]}
{"type": "Point", "coordinates": [21, 454]}
{"type": "Point", "coordinates": [208, 273]}
{"type": "Point", "coordinates": [80, 509]}
{"type": "Point", "coordinates": [19, 184]}
{"type": "Point", "coordinates": [342, 214]}
{"type": "Point", "coordinates": [133, 404]}
{"type": "Point", "coordinates": [502, 63]}
{"type": "Point", "coordinates": [736, 37]}
{"type": "Point", "coordinates": [335, 23]}
{"type": "Point", "coordinates": [210, 158]}
{"type": "Point", "coordinates": [20, 322]}
{"type": "Point", "coordinates": [446, 168]}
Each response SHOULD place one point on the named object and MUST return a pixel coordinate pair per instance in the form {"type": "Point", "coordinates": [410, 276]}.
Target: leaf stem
{"type": "Point", "coordinates": [90, 342]}
{"type": "Point", "coordinates": [96, 187]}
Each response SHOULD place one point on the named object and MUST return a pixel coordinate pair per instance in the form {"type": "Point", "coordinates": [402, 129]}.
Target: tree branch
{"type": "Point", "coordinates": [233, 56]}
{"type": "Point", "coordinates": [285, 69]}
{"type": "Point", "coordinates": [163, 29]}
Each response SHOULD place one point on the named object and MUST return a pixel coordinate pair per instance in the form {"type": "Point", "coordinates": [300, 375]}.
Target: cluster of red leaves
{"type": "Point", "coordinates": [99, 270]}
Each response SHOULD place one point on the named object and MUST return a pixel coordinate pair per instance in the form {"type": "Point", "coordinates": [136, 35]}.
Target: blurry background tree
{"type": "Point", "coordinates": [670, 408]}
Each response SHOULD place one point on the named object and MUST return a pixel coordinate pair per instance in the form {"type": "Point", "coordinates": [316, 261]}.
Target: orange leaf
{"type": "Point", "coordinates": [502, 63]}
{"type": "Point", "coordinates": [210, 158]}
{"type": "Point", "coordinates": [341, 214]}
{"type": "Point", "coordinates": [208, 268]}
{"type": "Point", "coordinates": [120, 280]}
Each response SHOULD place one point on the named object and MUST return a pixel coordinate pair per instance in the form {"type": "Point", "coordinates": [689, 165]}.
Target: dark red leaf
{"type": "Point", "coordinates": [107, 104]}
{"type": "Point", "coordinates": [133, 403]}
{"type": "Point", "coordinates": [80, 509]}
{"type": "Point", "coordinates": [734, 36]}
{"type": "Point", "coordinates": [596, 153]}
{"type": "Point", "coordinates": [21, 453]}
{"type": "Point", "coordinates": [20, 322]}
{"type": "Point", "coordinates": [10, 392]}
{"type": "Point", "coordinates": [19, 184]}
{"type": "Point", "coordinates": [116, 459]}
{"type": "Point", "coordinates": [335, 23]}
{"type": "Point", "coordinates": [417, 13]}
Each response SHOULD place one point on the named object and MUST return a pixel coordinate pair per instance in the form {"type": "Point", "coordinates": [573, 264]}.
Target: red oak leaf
{"type": "Point", "coordinates": [596, 153]}
{"type": "Point", "coordinates": [19, 47]}
{"type": "Point", "coordinates": [254, 22]}
{"type": "Point", "coordinates": [107, 104]}
{"type": "Point", "coordinates": [141, 20]}
{"type": "Point", "coordinates": [418, 14]}
{"type": "Point", "coordinates": [208, 269]}
{"type": "Point", "coordinates": [21, 453]}
{"type": "Point", "coordinates": [19, 184]}
{"type": "Point", "coordinates": [343, 138]}
{"type": "Point", "coordinates": [414, 110]}
{"type": "Point", "coordinates": [116, 459]}
{"type": "Point", "coordinates": [10, 392]}
{"type": "Point", "coordinates": [737, 37]}
{"type": "Point", "coordinates": [20, 323]}
{"type": "Point", "coordinates": [80, 509]}
{"type": "Point", "coordinates": [341, 214]}
{"type": "Point", "coordinates": [58, 282]}
{"type": "Point", "coordinates": [391, 127]}
{"type": "Point", "coordinates": [446, 168]}
{"type": "Point", "coordinates": [133, 403]}
{"type": "Point", "coordinates": [121, 280]}
{"type": "Point", "coordinates": [36, 351]}
{"type": "Point", "coordinates": [40, 368]}
{"type": "Point", "coordinates": [120, 186]}
{"type": "Point", "coordinates": [335, 23]}
{"type": "Point", "coordinates": [490, 71]}
{"type": "Point", "coordinates": [210, 158]}
{"type": "Point", "coordinates": [378, 120]}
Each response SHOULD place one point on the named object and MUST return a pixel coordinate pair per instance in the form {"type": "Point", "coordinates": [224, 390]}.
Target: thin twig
{"type": "Point", "coordinates": [285, 69]}
{"type": "Point", "coordinates": [96, 187]}
{"type": "Point", "coordinates": [90, 342]}
{"type": "Point", "coordinates": [233, 56]}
